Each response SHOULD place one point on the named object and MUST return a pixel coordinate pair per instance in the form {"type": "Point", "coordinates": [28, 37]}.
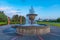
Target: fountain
{"type": "Point", "coordinates": [31, 28]}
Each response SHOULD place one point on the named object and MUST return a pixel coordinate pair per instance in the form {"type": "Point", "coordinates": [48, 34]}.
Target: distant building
{"type": "Point", "coordinates": [40, 19]}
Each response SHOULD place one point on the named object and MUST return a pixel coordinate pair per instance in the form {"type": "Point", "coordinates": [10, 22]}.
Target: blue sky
{"type": "Point", "coordinates": [44, 8]}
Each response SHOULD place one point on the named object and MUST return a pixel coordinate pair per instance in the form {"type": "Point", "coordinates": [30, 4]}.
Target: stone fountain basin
{"type": "Point", "coordinates": [32, 29]}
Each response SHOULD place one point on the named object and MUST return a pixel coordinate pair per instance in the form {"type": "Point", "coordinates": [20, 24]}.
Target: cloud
{"type": "Point", "coordinates": [9, 11]}
{"type": "Point", "coordinates": [4, 8]}
{"type": "Point", "coordinates": [15, 11]}
{"type": "Point", "coordinates": [50, 12]}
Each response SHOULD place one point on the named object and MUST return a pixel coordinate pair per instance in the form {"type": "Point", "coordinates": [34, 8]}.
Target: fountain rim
{"type": "Point", "coordinates": [31, 25]}
{"type": "Point", "coordinates": [31, 14]}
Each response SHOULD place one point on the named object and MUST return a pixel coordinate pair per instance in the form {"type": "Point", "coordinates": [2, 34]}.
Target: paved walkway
{"type": "Point", "coordinates": [4, 36]}
{"type": "Point", "coordinates": [8, 33]}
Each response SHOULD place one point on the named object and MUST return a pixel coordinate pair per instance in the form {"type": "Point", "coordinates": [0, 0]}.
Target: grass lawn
{"type": "Point", "coordinates": [3, 23]}
{"type": "Point", "coordinates": [50, 23]}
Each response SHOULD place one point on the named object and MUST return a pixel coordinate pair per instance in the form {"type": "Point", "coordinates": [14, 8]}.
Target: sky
{"type": "Point", "coordinates": [46, 9]}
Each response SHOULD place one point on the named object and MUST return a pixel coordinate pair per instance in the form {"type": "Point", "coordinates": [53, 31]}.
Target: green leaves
{"type": "Point", "coordinates": [3, 17]}
{"type": "Point", "coordinates": [16, 19]}
{"type": "Point", "coordinates": [58, 20]}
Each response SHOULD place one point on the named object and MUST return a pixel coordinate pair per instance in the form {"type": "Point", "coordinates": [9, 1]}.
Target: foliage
{"type": "Point", "coordinates": [3, 17]}
{"type": "Point", "coordinates": [58, 20]}
{"type": "Point", "coordinates": [15, 18]}
{"type": "Point", "coordinates": [23, 19]}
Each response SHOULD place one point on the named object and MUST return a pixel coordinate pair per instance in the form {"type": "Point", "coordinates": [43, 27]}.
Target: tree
{"type": "Point", "coordinates": [58, 20]}
{"type": "Point", "coordinates": [15, 18]}
{"type": "Point", "coordinates": [3, 17]}
{"type": "Point", "coordinates": [23, 19]}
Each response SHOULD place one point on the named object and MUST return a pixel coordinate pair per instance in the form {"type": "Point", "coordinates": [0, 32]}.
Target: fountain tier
{"type": "Point", "coordinates": [33, 29]}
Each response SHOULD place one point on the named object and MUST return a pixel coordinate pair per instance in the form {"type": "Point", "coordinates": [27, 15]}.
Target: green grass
{"type": "Point", "coordinates": [55, 24]}
{"type": "Point", "coordinates": [50, 23]}
{"type": "Point", "coordinates": [3, 23]}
